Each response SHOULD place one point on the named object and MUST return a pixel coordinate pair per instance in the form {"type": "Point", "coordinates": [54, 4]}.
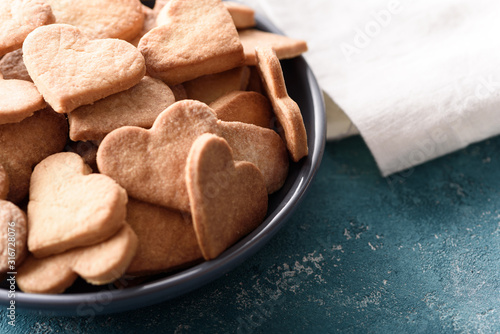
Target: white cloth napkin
{"type": "Point", "coordinates": [419, 79]}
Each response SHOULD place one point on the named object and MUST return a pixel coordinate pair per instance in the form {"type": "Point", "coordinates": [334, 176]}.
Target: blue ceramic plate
{"type": "Point", "coordinates": [83, 299]}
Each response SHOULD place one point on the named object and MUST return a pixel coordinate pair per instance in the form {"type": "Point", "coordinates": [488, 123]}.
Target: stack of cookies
{"type": "Point", "coordinates": [134, 140]}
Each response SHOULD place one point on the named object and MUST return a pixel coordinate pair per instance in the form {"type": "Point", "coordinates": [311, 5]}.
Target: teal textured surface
{"type": "Point", "coordinates": [416, 252]}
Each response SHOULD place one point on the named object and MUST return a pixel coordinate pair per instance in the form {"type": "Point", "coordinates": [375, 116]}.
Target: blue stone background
{"type": "Point", "coordinates": [418, 252]}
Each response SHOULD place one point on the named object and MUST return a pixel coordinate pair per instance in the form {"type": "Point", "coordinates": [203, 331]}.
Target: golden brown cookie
{"type": "Point", "coordinates": [101, 18]}
{"type": "Point", "coordinates": [4, 183]}
{"type": "Point", "coordinates": [19, 99]}
{"type": "Point", "coordinates": [71, 70]}
{"type": "Point", "coordinates": [13, 225]}
{"type": "Point", "coordinates": [70, 207]}
{"type": "Point", "coordinates": [24, 144]}
{"type": "Point", "coordinates": [150, 163]}
{"type": "Point", "coordinates": [210, 87]}
{"type": "Point", "coordinates": [175, 54]}
{"type": "Point", "coordinates": [166, 239]}
{"type": "Point", "coordinates": [137, 106]}
{"type": "Point", "coordinates": [285, 47]}
{"type": "Point", "coordinates": [243, 16]}
{"type": "Point", "coordinates": [246, 107]}
{"type": "Point", "coordinates": [228, 199]}
{"type": "Point", "coordinates": [286, 110]}
{"type": "Point", "coordinates": [18, 18]}
{"type": "Point", "coordinates": [98, 264]}
{"type": "Point", "coordinates": [12, 66]}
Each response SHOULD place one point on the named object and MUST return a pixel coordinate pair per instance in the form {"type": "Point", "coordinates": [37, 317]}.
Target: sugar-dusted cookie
{"type": "Point", "coordinates": [166, 239]}
{"type": "Point", "coordinates": [138, 106]}
{"type": "Point", "coordinates": [24, 144]}
{"type": "Point", "coordinates": [97, 264]}
{"type": "Point", "coordinates": [287, 111]}
{"type": "Point", "coordinates": [246, 107]}
{"type": "Point", "coordinates": [71, 70]}
{"type": "Point", "coordinates": [12, 66]}
{"type": "Point", "coordinates": [176, 54]}
{"type": "Point", "coordinates": [18, 18]}
{"type": "Point", "coordinates": [4, 183]}
{"type": "Point", "coordinates": [101, 18]}
{"type": "Point", "coordinates": [70, 207]}
{"type": "Point", "coordinates": [13, 227]}
{"type": "Point", "coordinates": [228, 199]}
{"type": "Point", "coordinates": [212, 86]}
{"type": "Point", "coordinates": [243, 16]}
{"type": "Point", "coordinates": [285, 47]}
{"type": "Point", "coordinates": [150, 163]}
{"type": "Point", "coordinates": [19, 99]}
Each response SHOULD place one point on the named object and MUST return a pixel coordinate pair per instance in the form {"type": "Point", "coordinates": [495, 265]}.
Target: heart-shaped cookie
{"type": "Point", "coordinates": [70, 207]}
{"type": "Point", "coordinates": [24, 144]}
{"type": "Point", "coordinates": [150, 164]}
{"type": "Point", "coordinates": [228, 199]}
{"type": "Point", "coordinates": [71, 70]}
{"type": "Point", "coordinates": [210, 45]}
{"type": "Point", "coordinates": [285, 47]}
{"type": "Point", "coordinates": [286, 110]}
{"type": "Point", "coordinates": [19, 99]}
{"type": "Point", "coordinates": [137, 106]}
{"type": "Point", "coordinates": [166, 239]}
{"type": "Point", "coordinates": [101, 18]}
{"type": "Point", "coordinates": [98, 264]}
{"type": "Point", "coordinates": [243, 16]}
{"type": "Point", "coordinates": [20, 17]}
{"type": "Point", "coordinates": [210, 87]}
{"type": "Point", "coordinates": [246, 107]}
{"type": "Point", "coordinates": [13, 227]}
